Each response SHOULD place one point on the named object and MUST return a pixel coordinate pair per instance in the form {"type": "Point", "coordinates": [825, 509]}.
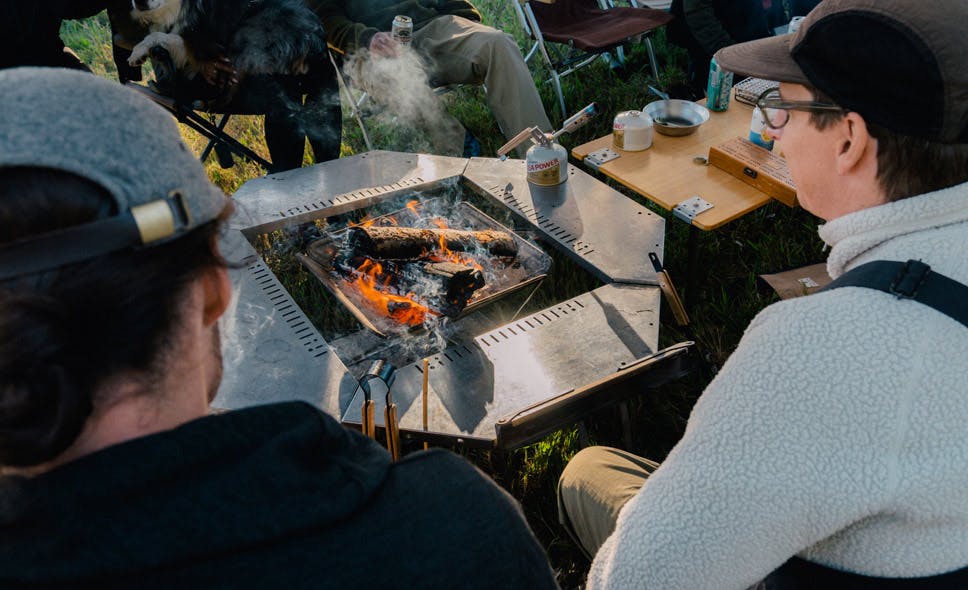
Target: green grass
{"type": "Point", "coordinates": [771, 239]}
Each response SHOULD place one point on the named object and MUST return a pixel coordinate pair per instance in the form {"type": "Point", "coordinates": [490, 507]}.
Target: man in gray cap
{"type": "Point", "coordinates": [112, 473]}
{"type": "Point", "coordinates": [830, 450]}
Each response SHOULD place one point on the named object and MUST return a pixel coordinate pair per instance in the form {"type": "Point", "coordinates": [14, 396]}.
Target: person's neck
{"type": "Point", "coordinates": [135, 414]}
{"type": "Point", "coordinates": [133, 406]}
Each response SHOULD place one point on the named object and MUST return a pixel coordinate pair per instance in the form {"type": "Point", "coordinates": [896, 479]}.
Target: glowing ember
{"type": "Point", "coordinates": [401, 308]}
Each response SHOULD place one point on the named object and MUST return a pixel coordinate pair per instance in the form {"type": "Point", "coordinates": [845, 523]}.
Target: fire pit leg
{"type": "Point", "coordinates": [499, 465]}
{"type": "Point", "coordinates": [692, 282]}
{"type": "Point", "coordinates": [624, 416]}
{"type": "Point", "coordinates": [584, 440]}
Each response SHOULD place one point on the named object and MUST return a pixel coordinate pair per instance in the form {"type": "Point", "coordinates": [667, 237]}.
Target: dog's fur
{"type": "Point", "coordinates": [256, 36]}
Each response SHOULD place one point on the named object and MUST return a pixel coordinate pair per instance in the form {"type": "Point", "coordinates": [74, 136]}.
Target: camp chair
{"type": "Point", "coordinates": [193, 116]}
{"type": "Point", "coordinates": [123, 32]}
{"type": "Point", "coordinates": [588, 29]}
{"type": "Point", "coordinates": [257, 95]}
{"type": "Point", "coordinates": [224, 145]}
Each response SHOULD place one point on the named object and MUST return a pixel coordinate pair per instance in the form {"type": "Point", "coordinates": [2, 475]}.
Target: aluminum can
{"type": "Point", "coordinates": [632, 131]}
{"type": "Point", "coordinates": [402, 29]}
{"type": "Point", "coordinates": [547, 166]}
{"type": "Point", "coordinates": [758, 130]}
{"type": "Point", "coordinates": [718, 88]}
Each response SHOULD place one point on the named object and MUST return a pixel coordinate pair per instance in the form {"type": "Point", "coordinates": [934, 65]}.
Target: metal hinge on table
{"type": "Point", "coordinates": [595, 159]}
{"type": "Point", "coordinates": [690, 208]}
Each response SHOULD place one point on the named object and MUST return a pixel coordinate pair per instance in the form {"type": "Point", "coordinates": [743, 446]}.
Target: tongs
{"type": "Point", "coordinates": [669, 290]}
{"type": "Point", "coordinates": [386, 373]}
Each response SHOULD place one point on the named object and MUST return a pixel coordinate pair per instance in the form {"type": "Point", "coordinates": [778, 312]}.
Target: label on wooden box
{"type": "Point", "coordinates": [757, 167]}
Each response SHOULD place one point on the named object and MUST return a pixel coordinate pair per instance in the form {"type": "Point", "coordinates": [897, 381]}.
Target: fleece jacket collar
{"type": "Point", "coordinates": [851, 235]}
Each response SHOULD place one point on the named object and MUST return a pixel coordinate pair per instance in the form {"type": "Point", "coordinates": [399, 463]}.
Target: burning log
{"type": "Point", "coordinates": [456, 283]}
{"type": "Point", "coordinates": [408, 243]}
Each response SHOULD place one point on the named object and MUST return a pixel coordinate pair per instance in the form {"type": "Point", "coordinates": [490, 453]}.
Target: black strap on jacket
{"type": "Point", "coordinates": [905, 280]}
{"type": "Point", "coordinates": [800, 574]}
{"type": "Point", "coordinates": [910, 280]}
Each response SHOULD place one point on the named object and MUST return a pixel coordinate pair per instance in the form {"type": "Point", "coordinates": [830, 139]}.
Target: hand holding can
{"type": "Point", "coordinates": [402, 29]}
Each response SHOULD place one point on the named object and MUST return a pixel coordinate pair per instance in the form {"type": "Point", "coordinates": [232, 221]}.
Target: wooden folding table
{"type": "Point", "coordinates": [672, 175]}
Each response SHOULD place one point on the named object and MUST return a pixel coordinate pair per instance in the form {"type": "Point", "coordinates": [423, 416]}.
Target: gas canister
{"type": "Point", "coordinates": [547, 163]}
{"type": "Point", "coordinates": [632, 131]}
{"type": "Point", "coordinates": [547, 160]}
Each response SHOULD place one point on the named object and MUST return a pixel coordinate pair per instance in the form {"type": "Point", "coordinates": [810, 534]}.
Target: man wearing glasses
{"type": "Point", "coordinates": [830, 450]}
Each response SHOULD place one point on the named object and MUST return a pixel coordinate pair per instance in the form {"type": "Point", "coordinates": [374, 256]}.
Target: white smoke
{"type": "Point", "coordinates": [401, 86]}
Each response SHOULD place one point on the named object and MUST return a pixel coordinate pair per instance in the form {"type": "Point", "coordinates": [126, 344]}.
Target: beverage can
{"type": "Point", "coordinates": [402, 29]}
{"type": "Point", "coordinates": [718, 87]}
{"type": "Point", "coordinates": [758, 130]}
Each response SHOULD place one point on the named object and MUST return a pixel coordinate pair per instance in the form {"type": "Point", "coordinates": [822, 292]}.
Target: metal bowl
{"type": "Point", "coordinates": [676, 117]}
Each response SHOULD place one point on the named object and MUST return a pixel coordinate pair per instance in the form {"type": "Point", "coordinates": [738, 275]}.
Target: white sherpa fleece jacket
{"type": "Point", "coordinates": [837, 431]}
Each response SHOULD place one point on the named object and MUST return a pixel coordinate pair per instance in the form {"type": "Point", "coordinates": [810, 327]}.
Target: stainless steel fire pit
{"type": "Point", "coordinates": [493, 385]}
{"type": "Point", "coordinates": [334, 260]}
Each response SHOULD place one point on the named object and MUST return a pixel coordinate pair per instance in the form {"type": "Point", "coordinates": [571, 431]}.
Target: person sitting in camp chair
{"type": "Point", "coordinates": [450, 36]}
{"type": "Point", "coordinates": [227, 64]}
{"type": "Point", "coordinates": [829, 451]}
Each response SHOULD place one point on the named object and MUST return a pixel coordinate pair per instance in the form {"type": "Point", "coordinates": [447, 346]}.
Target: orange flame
{"type": "Point", "coordinates": [448, 255]}
{"type": "Point", "coordinates": [367, 221]}
{"type": "Point", "coordinates": [374, 286]}
{"type": "Point", "coordinates": [403, 309]}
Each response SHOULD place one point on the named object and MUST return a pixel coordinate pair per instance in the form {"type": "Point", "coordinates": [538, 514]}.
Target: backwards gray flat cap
{"type": "Point", "coordinates": [79, 123]}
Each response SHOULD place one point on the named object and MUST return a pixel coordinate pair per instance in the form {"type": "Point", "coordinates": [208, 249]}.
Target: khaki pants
{"type": "Point", "coordinates": [593, 488]}
{"type": "Point", "coordinates": [462, 51]}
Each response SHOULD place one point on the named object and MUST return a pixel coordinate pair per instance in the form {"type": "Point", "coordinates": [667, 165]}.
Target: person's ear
{"type": "Point", "coordinates": [856, 147]}
{"type": "Point", "coordinates": [217, 290]}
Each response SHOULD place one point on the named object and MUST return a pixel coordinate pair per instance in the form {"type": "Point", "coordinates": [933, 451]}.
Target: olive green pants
{"type": "Point", "coordinates": [462, 51]}
{"type": "Point", "coordinates": [593, 488]}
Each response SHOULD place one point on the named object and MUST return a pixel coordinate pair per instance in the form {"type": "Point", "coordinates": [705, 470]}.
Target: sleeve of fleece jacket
{"type": "Point", "coordinates": [784, 448]}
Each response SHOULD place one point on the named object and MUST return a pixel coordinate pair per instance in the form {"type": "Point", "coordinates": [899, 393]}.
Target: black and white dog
{"type": "Point", "coordinates": [227, 40]}
{"type": "Point", "coordinates": [249, 56]}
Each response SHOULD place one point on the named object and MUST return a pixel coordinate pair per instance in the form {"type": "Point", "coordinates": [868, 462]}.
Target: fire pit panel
{"type": "Point", "coordinates": [603, 230]}
{"type": "Point", "coordinates": [336, 186]}
{"type": "Point", "coordinates": [526, 361]}
{"type": "Point", "coordinates": [270, 350]}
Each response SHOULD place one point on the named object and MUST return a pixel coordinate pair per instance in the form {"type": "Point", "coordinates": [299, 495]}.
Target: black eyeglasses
{"type": "Point", "coordinates": [776, 111]}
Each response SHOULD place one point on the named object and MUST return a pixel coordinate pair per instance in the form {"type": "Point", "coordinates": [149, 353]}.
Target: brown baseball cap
{"type": "Point", "coordinates": [901, 64]}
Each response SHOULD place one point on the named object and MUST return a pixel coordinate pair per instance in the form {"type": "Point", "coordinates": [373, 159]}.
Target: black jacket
{"type": "Point", "coordinates": [277, 496]}
{"type": "Point", "coordinates": [706, 26]}
{"type": "Point", "coordinates": [30, 31]}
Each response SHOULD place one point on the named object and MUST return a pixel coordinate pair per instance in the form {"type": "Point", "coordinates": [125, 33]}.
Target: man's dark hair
{"type": "Point", "coordinates": [906, 166]}
{"type": "Point", "coordinates": [64, 332]}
